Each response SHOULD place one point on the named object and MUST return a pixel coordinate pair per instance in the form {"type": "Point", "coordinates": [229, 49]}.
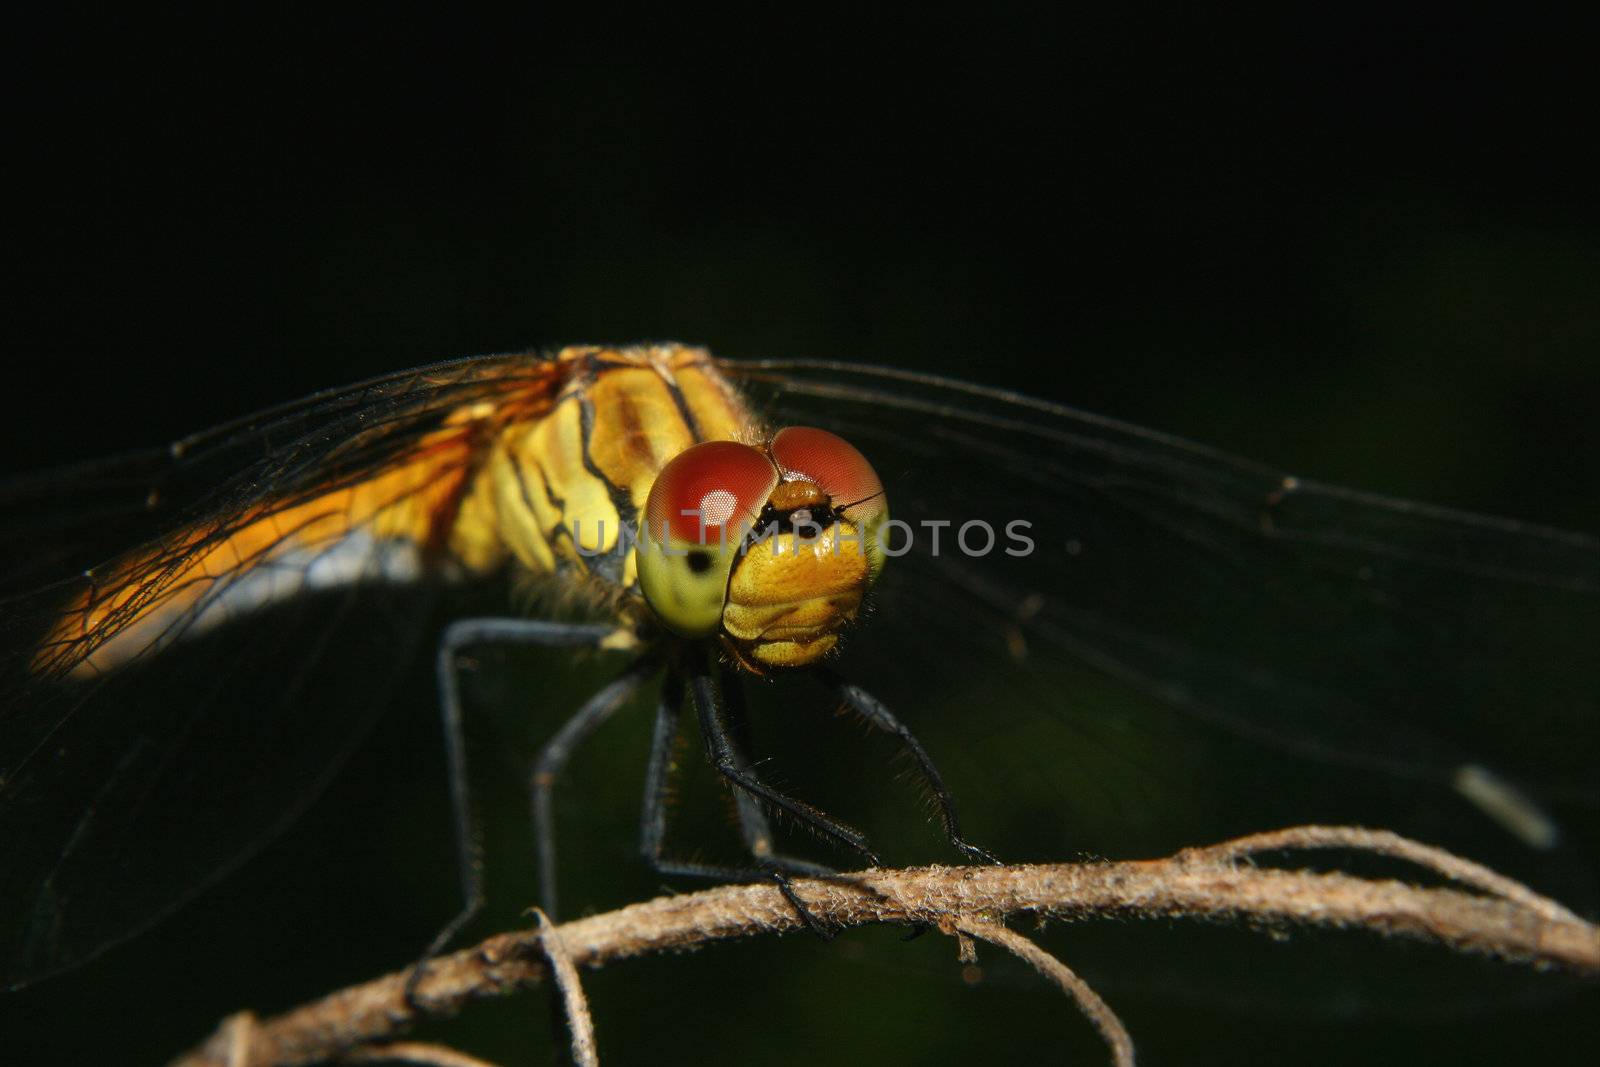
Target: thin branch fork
{"type": "Point", "coordinates": [1489, 915]}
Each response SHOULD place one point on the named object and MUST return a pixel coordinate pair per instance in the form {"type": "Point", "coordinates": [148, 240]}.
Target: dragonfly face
{"type": "Point", "coordinates": [773, 547]}
{"type": "Point", "coordinates": [1188, 646]}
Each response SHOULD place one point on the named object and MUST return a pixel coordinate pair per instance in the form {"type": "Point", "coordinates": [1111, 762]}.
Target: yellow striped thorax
{"type": "Point", "coordinates": [650, 474]}
{"type": "Point", "coordinates": [559, 493]}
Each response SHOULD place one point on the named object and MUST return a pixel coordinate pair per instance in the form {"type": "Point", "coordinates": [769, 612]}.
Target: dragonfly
{"type": "Point", "coordinates": [1117, 634]}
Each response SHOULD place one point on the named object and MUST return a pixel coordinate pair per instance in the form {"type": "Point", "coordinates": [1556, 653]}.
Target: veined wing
{"type": "Point", "coordinates": [130, 780]}
{"type": "Point", "coordinates": [1360, 656]}
{"type": "Point", "coordinates": [1198, 646]}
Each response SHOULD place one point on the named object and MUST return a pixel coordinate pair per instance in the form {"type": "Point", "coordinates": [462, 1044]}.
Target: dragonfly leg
{"type": "Point", "coordinates": [752, 821]}
{"type": "Point", "coordinates": [552, 759]}
{"type": "Point", "coordinates": [725, 756]}
{"type": "Point", "coordinates": [753, 824]}
{"type": "Point", "coordinates": [874, 711]}
{"type": "Point", "coordinates": [460, 634]}
{"type": "Point", "coordinates": [658, 773]}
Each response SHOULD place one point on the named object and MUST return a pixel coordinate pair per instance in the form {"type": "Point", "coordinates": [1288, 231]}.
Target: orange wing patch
{"type": "Point", "coordinates": [202, 575]}
{"type": "Point", "coordinates": [384, 526]}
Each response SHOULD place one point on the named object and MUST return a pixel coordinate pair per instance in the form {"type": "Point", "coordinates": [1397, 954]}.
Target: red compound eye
{"type": "Point", "coordinates": [722, 484]}
{"type": "Point", "coordinates": [834, 464]}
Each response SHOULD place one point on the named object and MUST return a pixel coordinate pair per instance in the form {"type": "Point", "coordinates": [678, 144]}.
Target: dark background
{"type": "Point", "coordinates": [1368, 253]}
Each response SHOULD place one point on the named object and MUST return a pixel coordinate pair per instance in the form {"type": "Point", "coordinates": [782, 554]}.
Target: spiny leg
{"type": "Point", "coordinates": [460, 634]}
{"type": "Point", "coordinates": [874, 711]}
{"type": "Point", "coordinates": [657, 775]}
{"type": "Point", "coordinates": [552, 759]}
{"type": "Point", "coordinates": [726, 758]}
{"type": "Point", "coordinates": [653, 817]}
{"type": "Point", "coordinates": [658, 772]}
{"type": "Point", "coordinates": [752, 822]}
{"type": "Point", "coordinates": [754, 826]}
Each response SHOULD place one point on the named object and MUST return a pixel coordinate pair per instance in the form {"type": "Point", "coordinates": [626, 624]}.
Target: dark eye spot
{"type": "Point", "coordinates": [699, 562]}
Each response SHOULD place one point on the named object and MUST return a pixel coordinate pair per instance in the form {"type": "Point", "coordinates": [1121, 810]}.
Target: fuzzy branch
{"type": "Point", "coordinates": [1489, 915]}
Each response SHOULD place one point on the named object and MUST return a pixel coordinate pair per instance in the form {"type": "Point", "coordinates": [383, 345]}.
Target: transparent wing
{"type": "Point", "coordinates": [128, 780]}
{"type": "Point", "coordinates": [1196, 646]}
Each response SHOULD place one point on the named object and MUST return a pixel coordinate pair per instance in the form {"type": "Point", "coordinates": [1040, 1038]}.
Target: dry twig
{"type": "Point", "coordinates": [1096, 1010]}
{"type": "Point", "coordinates": [573, 1002]}
{"type": "Point", "coordinates": [416, 1053]}
{"type": "Point", "coordinates": [1502, 919]}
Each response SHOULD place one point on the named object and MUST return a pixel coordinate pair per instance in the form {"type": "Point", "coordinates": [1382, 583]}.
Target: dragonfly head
{"type": "Point", "coordinates": [772, 547]}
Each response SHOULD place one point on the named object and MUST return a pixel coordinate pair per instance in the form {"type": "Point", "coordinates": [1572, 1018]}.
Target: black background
{"type": "Point", "coordinates": [1365, 252]}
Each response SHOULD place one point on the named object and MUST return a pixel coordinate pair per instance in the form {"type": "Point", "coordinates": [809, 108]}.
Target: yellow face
{"type": "Point", "coordinates": [772, 549]}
